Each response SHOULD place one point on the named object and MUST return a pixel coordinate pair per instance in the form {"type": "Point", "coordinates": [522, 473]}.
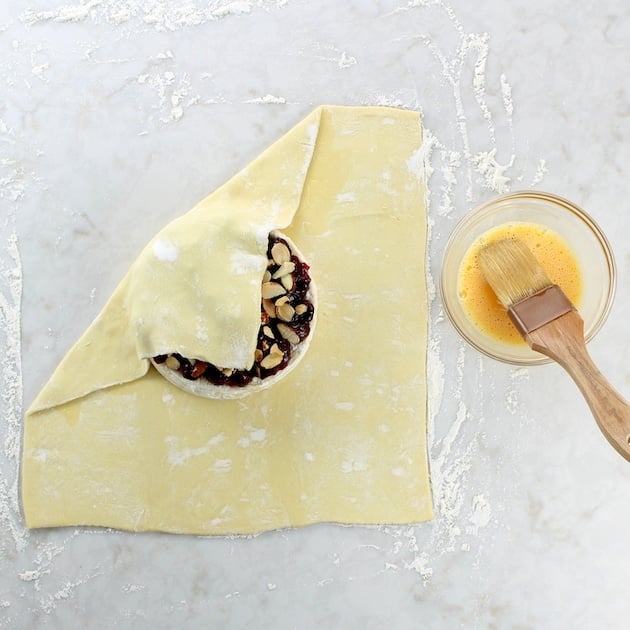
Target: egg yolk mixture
{"type": "Point", "coordinates": [479, 301]}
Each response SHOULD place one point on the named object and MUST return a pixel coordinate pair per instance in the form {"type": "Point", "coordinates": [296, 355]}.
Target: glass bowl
{"type": "Point", "coordinates": [576, 227]}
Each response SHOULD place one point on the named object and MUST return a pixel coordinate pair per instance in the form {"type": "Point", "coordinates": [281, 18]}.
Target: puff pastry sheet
{"type": "Point", "coordinates": [109, 442]}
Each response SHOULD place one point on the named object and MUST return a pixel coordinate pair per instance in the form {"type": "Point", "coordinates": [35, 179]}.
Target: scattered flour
{"type": "Point", "coordinates": [222, 465]}
{"type": "Point", "coordinates": [344, 406]}
{"type": "Point", "coordinates": [493, 173]}
{"type": "Point", "coordinates": [416, 162]}
{"type": "Point", "coordinates": [346, 61]}
{"type": "Point", "coordinates": [506, 93]}
{"type": "Point", "coordinates": [64, 13]}
{"type": "Point", "coordinates": [481, 513]}
{"type": "Point", "coordinates": [165, 250]}
{"type": "Point", "coordinates": [134, 588]}
{"type": "Point", "coordinates": [347, 197]}
{"type": "Point", "coordinates": [161, 15]}
{"type": "Point", "coordinates": [233, 8]}
{"type": "Point", "coordinates": [178, 457]}
{"type": "Point", "coordinates": [353, 466]}
{"type": "Point", "coordinates": [541, 170]}
{"type": "Point", "coordinates": [258, 435]}
{"type": "Point", "coordinates": [268, 99]}
{"type": "Point", "coordinates": [11, 370]}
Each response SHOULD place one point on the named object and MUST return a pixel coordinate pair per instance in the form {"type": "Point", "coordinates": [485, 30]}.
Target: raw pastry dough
{"type": "Point", "coordinates": [110, 442]}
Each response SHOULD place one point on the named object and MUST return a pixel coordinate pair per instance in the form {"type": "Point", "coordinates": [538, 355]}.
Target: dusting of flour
{"type": "Point", "coordinates": [10, 379]}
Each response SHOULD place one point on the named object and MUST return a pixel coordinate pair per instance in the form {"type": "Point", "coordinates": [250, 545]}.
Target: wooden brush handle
{"type": "Point", "coordinates": [562, 340]}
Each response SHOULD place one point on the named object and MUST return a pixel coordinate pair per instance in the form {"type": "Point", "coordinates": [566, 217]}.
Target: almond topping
{"type": "Point", "coordinates": [198, 369]}
{"type": "Point", "coordinates": [269, 308]}
{"type": "Point", "coordinates": [258, 355]}
{"type": "Point", "coordinates": [268, 332]}
{"type": "Point", "coordinates": [285, 312]}
{"type": "Point", "coordinates": [300, 309]}
{"type": "Point", "coordinates": [271, 361]}
{"type": "Point", "coordinates": [267, 276]}
{"type": "Point", "coordinates": [172, 362]}
{"type": "Point", "coordinates": [287, 282]}
{"type": "Point", "coordinates": [288, 333]}
{"type": "Point", "coordinates": [271, 290]}
{"type": "Point", "coordinates": [284, 269]}
{"type": "Point", "coordinates": [280, 253]}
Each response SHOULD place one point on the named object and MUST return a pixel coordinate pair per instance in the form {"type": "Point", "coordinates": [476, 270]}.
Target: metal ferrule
{"type": "Point", "coordinates": [539, 309]}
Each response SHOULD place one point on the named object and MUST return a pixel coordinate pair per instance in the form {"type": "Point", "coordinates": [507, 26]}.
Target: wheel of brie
{"type": "Point", "coordinates": [287, 320]}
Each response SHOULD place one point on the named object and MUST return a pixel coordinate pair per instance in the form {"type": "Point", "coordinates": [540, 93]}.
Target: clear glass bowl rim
{"type": "Point", "coordinates": [535, 195]}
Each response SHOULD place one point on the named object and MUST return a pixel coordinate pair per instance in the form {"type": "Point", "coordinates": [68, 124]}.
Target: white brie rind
{"type": "Point", "coordinates": [204, 388]}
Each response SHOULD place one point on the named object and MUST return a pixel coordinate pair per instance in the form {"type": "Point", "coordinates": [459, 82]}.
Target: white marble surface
{"type": "Point", "coordinates": [118, 115]}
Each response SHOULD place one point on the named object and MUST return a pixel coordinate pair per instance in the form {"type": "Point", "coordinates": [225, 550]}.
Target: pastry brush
{"type": "Point", "coordinates": [551, 325]}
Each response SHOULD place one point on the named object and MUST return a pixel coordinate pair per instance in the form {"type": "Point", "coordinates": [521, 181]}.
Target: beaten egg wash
{"type": "Point", "coordinates": [479, 301]}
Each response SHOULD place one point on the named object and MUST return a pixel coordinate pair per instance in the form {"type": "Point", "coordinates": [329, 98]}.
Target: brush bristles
{"type": "Point", "coordinates": [511, 270]}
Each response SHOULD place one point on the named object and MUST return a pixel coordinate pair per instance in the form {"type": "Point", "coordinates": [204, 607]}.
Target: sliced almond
{"type": "Point", "coordinates": [272, 290]}
{"type": "Point", "coordinates": [300, 309]}
{"type": "Point", "coordinates": [268, 332]}
{"type": "Point", "coordinates": [269, 308]}
{"type": "Point", "coordinates": [281, 300]}
{"type": "Point", "coordinates": [172, 362]}
{"type": "Point", "coordinates": [280, 253]}
{"type": "Point", "coordinates": [267, 276]}
{"type": "Point", "coordinates": [258, 355]}
{"type": "Point", "coordinates": [284, 269]}
{"type": "Point", "coordinates": [288, 333]}
{"type": "Point", "coordinates": [285, 312]}
{"type": "Point", "coordinates": [275, 349]}
{"type": "Point", "coordinates": [287, 282]}
{"type": "Point", "coordinates": [271, 361]}
{"type": "Point", "coordinates": [198, 369]}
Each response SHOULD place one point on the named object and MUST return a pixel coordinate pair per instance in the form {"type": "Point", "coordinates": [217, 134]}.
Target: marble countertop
{"type": "Point", "coordinates": [118, 115]}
